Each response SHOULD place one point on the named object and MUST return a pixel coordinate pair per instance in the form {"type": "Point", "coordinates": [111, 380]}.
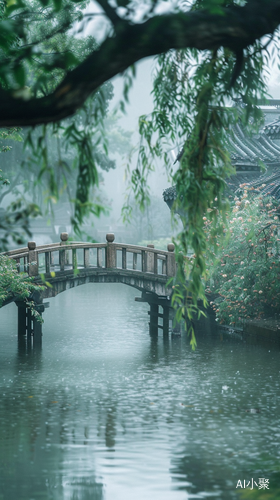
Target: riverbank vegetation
{"type": "Point", "coordinates": [245, 270]}
{"type": "Point", "coordinates": [17, 286]}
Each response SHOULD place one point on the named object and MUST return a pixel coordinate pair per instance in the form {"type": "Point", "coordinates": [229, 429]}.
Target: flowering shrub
{"type": "Point", "coordinates": [246, 274]}
{"type": "Point", "coordinates": [14, 285]}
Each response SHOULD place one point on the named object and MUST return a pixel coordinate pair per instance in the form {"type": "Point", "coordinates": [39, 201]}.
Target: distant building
{"type": "Point", "coordinates": [249, 154]}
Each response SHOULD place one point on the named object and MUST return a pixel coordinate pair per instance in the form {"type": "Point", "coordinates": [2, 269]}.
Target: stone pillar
{"type": "Point", "coordinates": [124, 262]}
{"type": "Point", "coordinates": [37, 325]}
{"type": "Point", "coordinates": [32, 259]}
{"type": "Point", "coordinates": [170, 263]}
{"type": "Point", "coordinates": [29, 323]}
{"type": "Point", "coordinates": [99, 257]}
{"type": "Point", "coordinates": [165, 320]}
{"type": "Point", "coordinates": [134, 261]}
{"type": "Point", "coordinates": [111, 257]}
{"type": "Point", "coordinates": [153, 319]}
{"type": "Point", "coordinates": [150, 268]}
{"type": "Point", "coordinates": [47, 262]}
{"type": "Point", "coordinates": [74, 258]}
{"type": "Point", "coordinates": [37, 334]}
{"type": "Point", "coordinates": [62, 253]}
{"type": "Point", "coordinates": [86, 257]}
{"type": "Point", "coordinates": [62, 259]}
{"type": "Point", "coordinates": [21, 318]}
{"type": "Point", "coordinates": [63, 237]}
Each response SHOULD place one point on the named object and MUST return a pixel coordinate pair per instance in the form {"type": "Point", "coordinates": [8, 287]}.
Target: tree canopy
{"type": "Point", "coordinates": [201, 24]}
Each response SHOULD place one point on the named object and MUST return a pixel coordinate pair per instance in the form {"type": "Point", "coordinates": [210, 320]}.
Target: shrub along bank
{"type": "Point", "coordinates": [245, 271]}
{"type": "Point", "coordinates": [16, 286]}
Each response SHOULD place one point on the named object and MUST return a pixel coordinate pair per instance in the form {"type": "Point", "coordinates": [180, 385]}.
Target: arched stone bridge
{"type": "Point", "coordinates": [69, 264]}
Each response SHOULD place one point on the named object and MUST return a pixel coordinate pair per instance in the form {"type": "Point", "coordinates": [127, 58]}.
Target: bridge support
{"type": "Point", "coordinates": [28, 324]}
{"type": "Point", "coordinates": [154, 315]}
{"type": "Point", "coordinates": [155, 302]}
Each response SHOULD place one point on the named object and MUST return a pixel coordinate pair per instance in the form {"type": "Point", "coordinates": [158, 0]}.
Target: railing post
{"type": "Point", "coordinates": [143, 261]}
{"type": "Point", "coordinates": [110, 251]}
{"type": "Point", "coordinates": [150, 264]}
{"type": "Point", "coordinates": [74, 258]}
{"type": "Point", "coordinates": [18, 264]}
{"type": "Point", "coordinates": [64, 237]}
{"type": "Point", "coordinates": [62, 253]}
{"type": "Point", "coordinates": [47, 262]}
{"type": "Point", "coordinates": [32, 259]}
{"type": "Point", "coordinates": [155, 263]}
{"type": "Point", "coordinates": [99, 257]}
{"type": "Point", "coordinates": [62, 259]}
{"type": "Point", "coordinates": [86, 257]}
{"type": "Point", "coordinates": [124, 263]}
{"type": "Point", "coordinates": [170, 261]}
{"type": "Point", "coordinates": [134, 261]}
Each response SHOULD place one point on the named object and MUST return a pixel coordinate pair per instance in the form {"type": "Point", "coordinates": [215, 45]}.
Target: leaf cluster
{"type": "Point", "coordinates": [246, 274]}
{"type": "Point", "coordinates": [16, 286]}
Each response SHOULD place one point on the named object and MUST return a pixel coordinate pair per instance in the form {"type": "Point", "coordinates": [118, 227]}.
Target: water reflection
{"type": "Point", "coordinates": [103, 411]}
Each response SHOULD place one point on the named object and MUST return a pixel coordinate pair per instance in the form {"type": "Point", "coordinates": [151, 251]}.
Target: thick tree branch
{"type": "Point", "coordinates": [238, 28]}
{"type": "Point", "coordinates": [109, 11]}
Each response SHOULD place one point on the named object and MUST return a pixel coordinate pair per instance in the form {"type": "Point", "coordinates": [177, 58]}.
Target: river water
{"type": "Point", "coordinates": [105, 412]}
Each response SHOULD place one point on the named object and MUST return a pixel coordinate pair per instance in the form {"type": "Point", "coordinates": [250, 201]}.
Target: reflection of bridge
{"type": "Point", "coordinates": [66, 265]}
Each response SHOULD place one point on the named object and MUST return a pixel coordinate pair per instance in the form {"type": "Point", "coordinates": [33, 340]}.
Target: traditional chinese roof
{"type": "Point", "coordinates": [267, 185]}
{"type": "Point", "coordinates": [272, 129]}
{"type": "Point", "coordinates": [249, 153]}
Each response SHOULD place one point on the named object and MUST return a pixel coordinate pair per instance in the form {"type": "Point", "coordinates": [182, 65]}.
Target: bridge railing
{"type": "Point", "coordinates": [68, 256]}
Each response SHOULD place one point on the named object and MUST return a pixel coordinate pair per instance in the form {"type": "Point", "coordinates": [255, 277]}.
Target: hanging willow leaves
{"type": "Point", "coordinates": [193, 111]}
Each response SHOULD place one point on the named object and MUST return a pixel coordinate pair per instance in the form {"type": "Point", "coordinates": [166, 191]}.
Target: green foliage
{"type": "Point", "coordinates": [35, 41]}
{"type": "Point", "coordinates": [60, 159]}
{"type": "Point", "coordinates": [246, 275]}
{"type": "Point", "coordinates": [3, 180]}
{"type": "Point", "coordinates": [80, 143]}
{"type": "Point", "coordinates": [191, 96]}
{"type": "Point", "coordinates": [16, 286]}
{"type": "Point", "coordinates": [14, 220]}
